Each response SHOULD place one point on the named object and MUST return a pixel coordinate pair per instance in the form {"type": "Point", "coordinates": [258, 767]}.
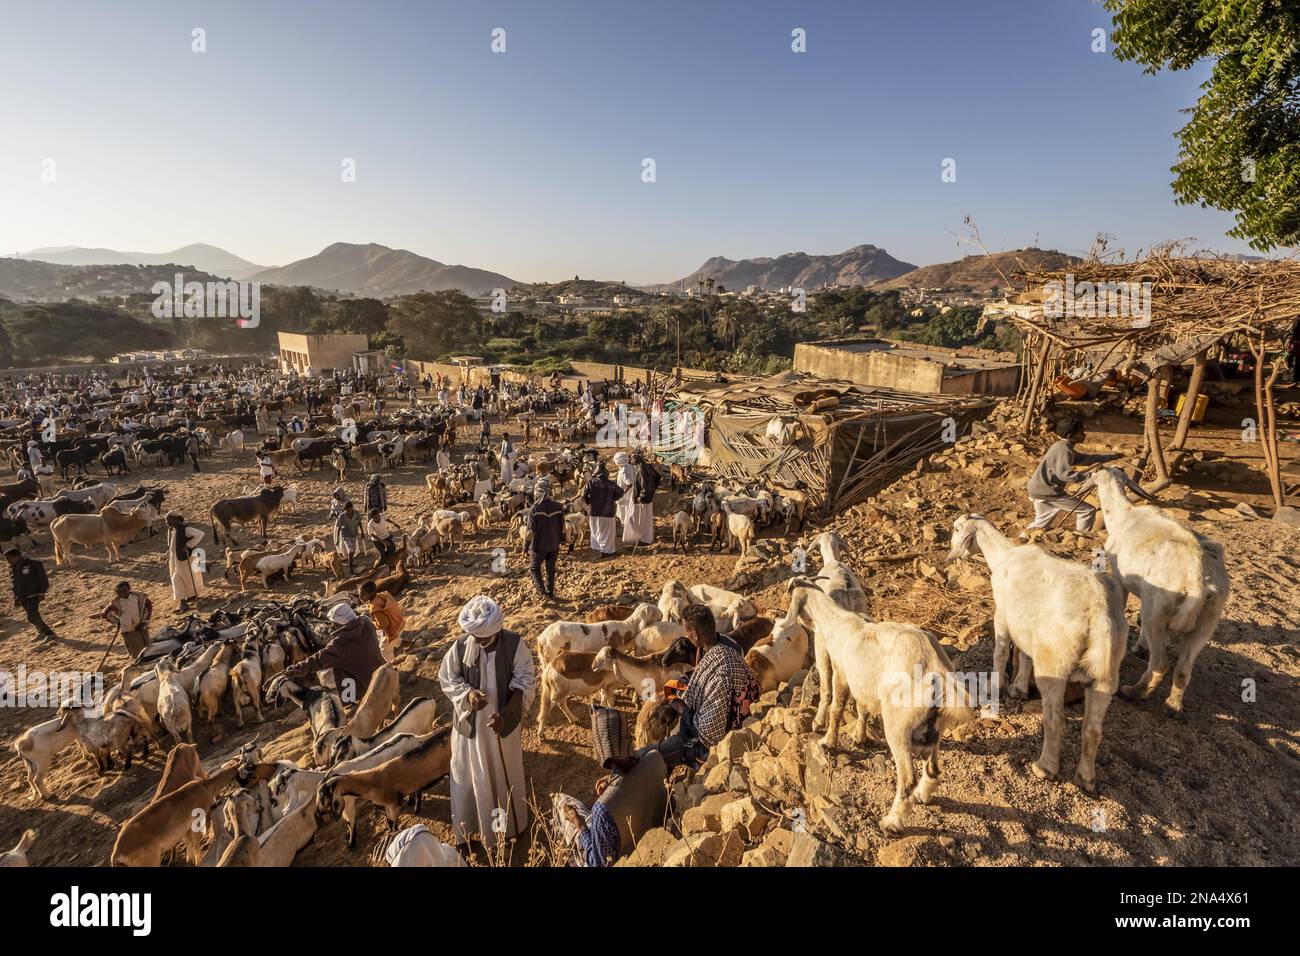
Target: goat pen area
{"type": "Point", "coordinates": [1215, 787]}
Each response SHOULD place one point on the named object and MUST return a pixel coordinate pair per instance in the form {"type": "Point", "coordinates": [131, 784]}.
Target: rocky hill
{"type": "Point", "coordinates": [376, 270]}
{"type": "Point", "coordinates": [862, 265]}
{"type": "Point", "coordinates": [979, 274]}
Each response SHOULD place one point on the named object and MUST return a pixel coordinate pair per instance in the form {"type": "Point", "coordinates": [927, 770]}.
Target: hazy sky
{"type": "Point", "coordinates": [529, 162]}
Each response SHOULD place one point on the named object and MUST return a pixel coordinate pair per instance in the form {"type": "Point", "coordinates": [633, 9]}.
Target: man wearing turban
{"type": "Point", "coordinates": [488, 676]}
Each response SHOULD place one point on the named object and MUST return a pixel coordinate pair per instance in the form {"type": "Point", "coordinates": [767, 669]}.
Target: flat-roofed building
{"type": "Point", "coordinates": [909, 367]}
{"type": "Point", "coordinates": [314, 355]}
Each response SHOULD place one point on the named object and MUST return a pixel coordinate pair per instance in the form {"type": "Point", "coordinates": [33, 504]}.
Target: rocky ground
{"type": "Point", "coordinates": [1214, 787]}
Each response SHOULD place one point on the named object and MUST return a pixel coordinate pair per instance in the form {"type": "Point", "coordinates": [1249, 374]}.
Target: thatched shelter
{"type": "Point", "coordinates": [840, 441]}
{"type": "Point", "coordinates": [1184, 307]}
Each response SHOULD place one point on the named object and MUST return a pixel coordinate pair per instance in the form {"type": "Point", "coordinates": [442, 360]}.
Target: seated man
{"type": "Point", "coordinates": [718, 695]}
{"type": "Point", "coordinates": [630, 801]}
{"type": "Point", "coordinates": [1057, 469]}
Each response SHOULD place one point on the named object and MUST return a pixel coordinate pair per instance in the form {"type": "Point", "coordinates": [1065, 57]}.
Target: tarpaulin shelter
{"type": "Point", "coordinates": [839, 441]}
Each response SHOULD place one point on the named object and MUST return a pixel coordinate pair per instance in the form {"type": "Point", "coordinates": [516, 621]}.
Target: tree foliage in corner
{"type": "Point", "coordinates": [1241, 150]}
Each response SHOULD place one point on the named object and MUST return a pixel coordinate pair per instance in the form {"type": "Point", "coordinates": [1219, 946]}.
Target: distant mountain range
{"type": "Point", "coordinates": [376, 270]}
{"type": "Point", "coordinates": [198, 255]}
{"type": "Point", "coordinates": [980, 273]}
{"type": "Point", "coordinates": [862, 265]}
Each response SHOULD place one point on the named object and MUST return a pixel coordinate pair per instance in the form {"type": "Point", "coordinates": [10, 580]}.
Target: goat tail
{"type": "Point", "coordinates": [1189, 608]}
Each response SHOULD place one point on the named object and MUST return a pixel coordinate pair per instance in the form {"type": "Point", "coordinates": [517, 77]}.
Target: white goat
{"type": "Point", "coordinates": [1068, 622]}
{"type": "Point", "coordinates": [1178, 576]}
{"type": "Point", "coordinates": [843, 586]}
{"type": "Point", "coordinates": [780, 655]}
{"type": "Point", "coordinates": [579, 637]}
{"type": "Point", "coordinates": [174, 702]}
{"type": "Point", "coordinates": [891, 670]}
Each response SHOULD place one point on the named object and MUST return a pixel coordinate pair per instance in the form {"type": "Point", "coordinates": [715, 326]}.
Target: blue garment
{"type": "Point", "coordinates": [600, 841]}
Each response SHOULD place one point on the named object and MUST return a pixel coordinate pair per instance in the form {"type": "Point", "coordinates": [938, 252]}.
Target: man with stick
{"type": "Point", "coordinates": [130, 612]}
{"type": "Point", "coordinates": [1057, 469]}
{"type": "Point", "coordinates": [489, 677]}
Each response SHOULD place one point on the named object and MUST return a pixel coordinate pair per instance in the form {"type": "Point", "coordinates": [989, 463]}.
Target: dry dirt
{"type": "Point", "coordinates": [1215, 787]}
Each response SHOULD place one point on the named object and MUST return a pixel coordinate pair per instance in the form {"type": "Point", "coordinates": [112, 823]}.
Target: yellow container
{"type": "Point", "coordinates": [1198, 412]}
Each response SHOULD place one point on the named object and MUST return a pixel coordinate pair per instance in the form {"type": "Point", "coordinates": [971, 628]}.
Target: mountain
{"type": "Point", "coordinates": [379, 271]}
{"type": "Point", "coordinates": [861, 265]}
{"type": "Point", "coordinates": [979, 274]}
{"type": "Point", "coordinates": [198, 255]}
{"type": "Point", "coordinates": [31, 280]}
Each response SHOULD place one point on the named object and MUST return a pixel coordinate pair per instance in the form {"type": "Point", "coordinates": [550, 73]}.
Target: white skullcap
{"type": "Point", "coordinates": [342, 613]}
{"type": "Point", "coordinates": [620, 458]}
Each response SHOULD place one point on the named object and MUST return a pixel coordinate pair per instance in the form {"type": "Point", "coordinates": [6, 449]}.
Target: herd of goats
{"type": "Point", "coordinates": [1066, 621]}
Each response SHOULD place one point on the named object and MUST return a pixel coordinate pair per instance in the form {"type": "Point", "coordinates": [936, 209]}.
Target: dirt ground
{"type": "Point", "coordinates": [1214, 787]}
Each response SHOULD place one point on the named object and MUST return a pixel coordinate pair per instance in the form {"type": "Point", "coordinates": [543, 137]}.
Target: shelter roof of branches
{"type": "Point", "coordinates": [839, 441]}
{"type": "Point", "coordinates": [1150, 315]}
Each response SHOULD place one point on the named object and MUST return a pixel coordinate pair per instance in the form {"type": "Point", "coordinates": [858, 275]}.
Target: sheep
{"type": "Point", "coordinates": [609, 612]}
{"type": "Point", "coordinates": [843, 586]}
{"type": "Point", "coordinates": [655, 721]}
{"type": "Point", "coordinates": [1065, 618]}
{"type": "Point", "coordinates": [588, 638]}
{"type": "Point", "coordinates": [572, 674]}
{"type": "Point", "coordinates": [645, 675]}
{"type": "Point", "coordinates": [270, 565]}
{"type": "Point", "coordinates": [673, 599]}
{"type": "Point", "coordinates": [1177, 575]}
{"type": "Point", "coordinates": [410, 773]}
{"type": "Point", "coordinates": [170, 820]}
{"type": "Point", "coordinates": [728, 607]}
{"type": "Point", "coordinates": [682, 531]}
{"type": "Point", "coordinates": [246, 681]}
{"type": "Point", "coordinates": [417, 717]}
{"type": "Point", "coordinates": [778, 657]}
{"type": "Point", "coordinates": [18, 855]}
{"type": "Point", "coordinates": [212, 685]}
{"type": "Point", "coordinates": [889, 669]}
{"type": "Point", "coordinates": [658, 637]}
{"type": "Point", "coordinates": [37, 747]}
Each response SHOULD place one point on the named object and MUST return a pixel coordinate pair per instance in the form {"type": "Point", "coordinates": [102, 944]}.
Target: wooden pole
{"type": "Point", "coordinates": [1189, 401]}
{"type": "Point", "coordinates": [1152, 430]}
{"type": "Point", "coordinates": [1031, 404]}
{"type": "Point", "coordinates": [1267, 414]}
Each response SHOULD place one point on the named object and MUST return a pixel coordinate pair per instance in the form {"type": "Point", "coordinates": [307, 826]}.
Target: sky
{"type": "Point", "coordinates": [531, 161]}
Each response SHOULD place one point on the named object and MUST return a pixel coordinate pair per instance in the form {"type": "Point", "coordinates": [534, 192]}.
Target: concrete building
{"type": "Point", "coordinates": [910, 368]}
{"type": "Point", "coordinates": [314, 355]}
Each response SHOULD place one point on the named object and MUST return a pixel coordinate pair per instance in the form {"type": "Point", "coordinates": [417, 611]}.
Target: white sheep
{"type": "Point", "coordinates": [580, 637]}
{"type": "Point", "coordinates": [895, 670]}
{"type": "Point", "coordinates": [1178, 576]}
{"type": "Point", "coordinates": [1066, 619]}
{"type": "Point", "coordinates": [780, 655]}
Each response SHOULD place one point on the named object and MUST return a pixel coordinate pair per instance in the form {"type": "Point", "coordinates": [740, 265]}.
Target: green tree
{"type": "Point", "coordinates": [433, 324]}
{"type": "Point", "coordinates": [1240, 151]}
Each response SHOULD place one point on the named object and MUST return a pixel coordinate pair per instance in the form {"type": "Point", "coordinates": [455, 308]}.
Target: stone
{"type": "Point", "coordinates": [1288, 515]}
{"type": "Point", "coordinates": [807, 850]}
{"type": "Point", "coordinates": [773, 851]}
{"type": "Point", "coordinates": [796, 722]}
{"type": "Point", "coordinates": [768, 779]}
{"type": "Point", "coordinates": [817, 774]}
{"type": "Point", "coordinates": [746, 817]}
{"type": "Point", "coordinates": [715, 849]}
{"type": "Point", "coordinates": [737, 743]}
{"type": "Point", "coordinates": [707, 817]}
{"type": "Point", "coordinates": [716, 780]}
{"type": "Point", "coordinates": [1246, 511]}
{"type": "Point", "coordinates": [654, 847]}
{"type": "Point", "coordinates": [738, 779]}
{"type": "Point", "coordinates": [920, 851]}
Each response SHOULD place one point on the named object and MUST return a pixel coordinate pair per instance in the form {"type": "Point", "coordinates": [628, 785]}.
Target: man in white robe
{"type": "Point", "coordinates": [489, 677]}
{"type": "Point", "coordinates": [639, 525]}
{"type": "Point", "coordinates": [625, 476]}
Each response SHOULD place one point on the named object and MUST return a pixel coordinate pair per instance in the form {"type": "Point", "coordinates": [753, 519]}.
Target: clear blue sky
{"type": "Point", "coordinates": [529, 162]}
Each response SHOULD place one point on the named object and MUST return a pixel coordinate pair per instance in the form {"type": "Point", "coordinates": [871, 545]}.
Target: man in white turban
{"type": "Point", "coordinates": [488, 676]}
